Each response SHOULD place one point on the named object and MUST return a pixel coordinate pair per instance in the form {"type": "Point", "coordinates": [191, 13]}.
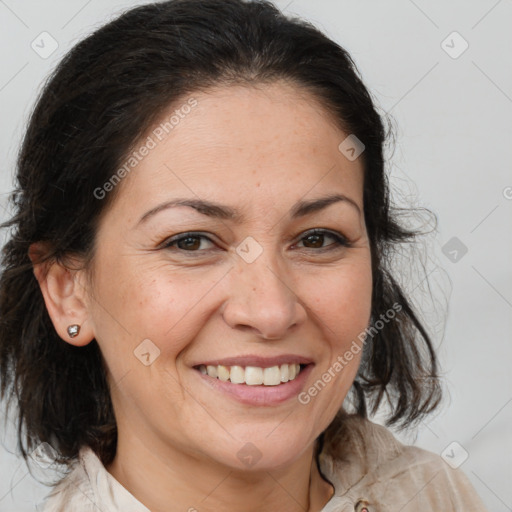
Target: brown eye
{"type": "Point", "coordinates": [190, 242]}
{"type": "Point", "coordinates": [315, 240]}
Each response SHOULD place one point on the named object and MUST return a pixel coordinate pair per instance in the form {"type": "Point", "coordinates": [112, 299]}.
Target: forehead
{"type": "Point", "coordinates": [242, 142]}
{"type": "Point", "coordinates": [245, 117]}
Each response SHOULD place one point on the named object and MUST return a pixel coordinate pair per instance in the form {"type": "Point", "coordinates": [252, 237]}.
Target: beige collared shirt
{"type": "Point", "coordinates": [368, 467]}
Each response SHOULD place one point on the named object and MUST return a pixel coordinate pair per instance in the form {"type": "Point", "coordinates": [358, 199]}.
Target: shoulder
{"type": "Point", "coordinates": [89, 487]}
{"type": "Point", "coordinates": [364, 459]}
{"type": "Point", "coordinates": [72, 493]}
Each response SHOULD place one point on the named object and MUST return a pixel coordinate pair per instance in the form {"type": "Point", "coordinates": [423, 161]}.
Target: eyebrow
{"type": "Point", "coordinates": [219, 211]}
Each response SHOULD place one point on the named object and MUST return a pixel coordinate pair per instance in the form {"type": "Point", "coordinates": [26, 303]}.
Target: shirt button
{"type": "Point", "coordinates": [362, 506]}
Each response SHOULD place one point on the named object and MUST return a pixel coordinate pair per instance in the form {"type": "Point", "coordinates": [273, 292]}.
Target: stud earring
{"type": "Point", "coordinates": [73, 330]}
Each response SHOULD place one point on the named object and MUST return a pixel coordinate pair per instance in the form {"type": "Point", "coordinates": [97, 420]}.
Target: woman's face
{"type": "Point", "coordinates": [241, 283]}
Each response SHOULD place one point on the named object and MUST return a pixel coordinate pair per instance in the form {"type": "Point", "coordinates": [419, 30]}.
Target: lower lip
{"type": "Point", "coordinates": [259, 395]}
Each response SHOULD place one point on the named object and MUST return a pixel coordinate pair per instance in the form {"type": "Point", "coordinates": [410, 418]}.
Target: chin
{"type": "Point", "coordinates": [262, 453]}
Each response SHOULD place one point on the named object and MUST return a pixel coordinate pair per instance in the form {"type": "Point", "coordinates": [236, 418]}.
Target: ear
{"type": "Point", "coordinates": [64, 294]}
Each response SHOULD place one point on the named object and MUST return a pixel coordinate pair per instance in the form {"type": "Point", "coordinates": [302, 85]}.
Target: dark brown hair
{"type": "Point", "coordinates": [101, 99]}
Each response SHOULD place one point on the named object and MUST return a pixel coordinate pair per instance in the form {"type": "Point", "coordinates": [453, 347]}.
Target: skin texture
{"type": "Point", "coordinates": [259, 150]}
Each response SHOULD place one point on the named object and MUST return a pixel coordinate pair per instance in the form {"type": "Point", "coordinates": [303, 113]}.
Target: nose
{"type": "Point", "coordinates": [261, 300]}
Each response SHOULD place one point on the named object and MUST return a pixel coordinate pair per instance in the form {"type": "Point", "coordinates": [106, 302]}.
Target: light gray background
{"type": "Point", "coordinates": [453, 155]}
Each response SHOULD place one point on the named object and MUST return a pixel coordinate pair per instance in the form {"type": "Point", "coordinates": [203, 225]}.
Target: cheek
{"type": "Point", "coordinates": [341, 300]}
{"type": "Point", "coordinates": [149, 302]}
{"type": "Point", "coordinates": [342, 306]}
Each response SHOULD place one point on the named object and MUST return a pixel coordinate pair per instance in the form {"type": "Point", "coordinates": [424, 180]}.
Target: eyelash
{"type": "Point", "coordinates": [340, 240]}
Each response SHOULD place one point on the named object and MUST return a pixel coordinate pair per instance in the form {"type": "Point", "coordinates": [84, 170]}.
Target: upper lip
{"type": "Point", "coordinates": [258, 361]}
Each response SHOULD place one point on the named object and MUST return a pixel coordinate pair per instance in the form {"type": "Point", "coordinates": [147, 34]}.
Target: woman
{"type": "Point", "coordinates": [197, 309]}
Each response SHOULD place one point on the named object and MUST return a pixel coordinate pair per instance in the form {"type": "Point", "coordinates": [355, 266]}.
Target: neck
{"type": "Point", "coordinates": [166, 479]}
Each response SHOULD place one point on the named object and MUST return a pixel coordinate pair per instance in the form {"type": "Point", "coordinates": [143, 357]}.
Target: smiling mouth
{"type": "Point", "coordinates": [253, 375]}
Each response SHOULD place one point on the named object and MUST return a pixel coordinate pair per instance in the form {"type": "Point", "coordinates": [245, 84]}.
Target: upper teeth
{"type": "Point", "coordinates": [253, 375]}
